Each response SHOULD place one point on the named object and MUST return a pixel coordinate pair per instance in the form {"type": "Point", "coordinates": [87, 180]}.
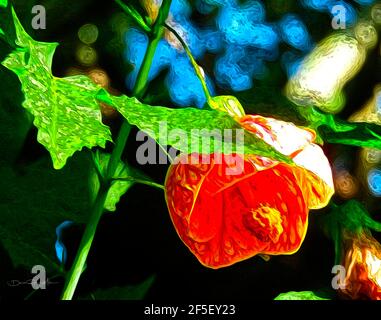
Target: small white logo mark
{"type": "Point", "coordinates": [39, 20]}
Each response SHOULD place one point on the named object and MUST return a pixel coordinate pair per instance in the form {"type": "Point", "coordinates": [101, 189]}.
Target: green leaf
{"type": "Point", "coordinates": [334, 130]}
{"type": "Point", "coordinates": [302, 295]}
{"type": "Point", "coordinates": [34, 198]}
{"type": "Point", "coordinates": [65, 111]}
{"type": "Point", "coordinates": [349, 218]}
{"type": "Point", "coordinates": [359, 134]}
{"type": "Point", "coordinates": [3, 3]}
{"type": "Point", "coordinates": [118, 188]}
{"type": "Point", "coordinates": [228, 104]}
{"type": "Point", "coordinates": [34, 203]}
{"type": "Point", "coordinates": [132, 12]}
{"type": "Point", "coordinates": [137, 292]}
{"type": "Point", "coordinates": [202, 127]}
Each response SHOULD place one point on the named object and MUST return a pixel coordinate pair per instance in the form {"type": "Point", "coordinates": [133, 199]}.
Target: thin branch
{"type": "Point", "coordinates": [97, 166]}
{"type": "Point", "coordinates": [166, 152]}
{"type": "Point", "coordinates": [135, 15]}
{"type": "Point", "coordinates": [196, 67]}
{"type": "Point", "coordinates": [146, 182]}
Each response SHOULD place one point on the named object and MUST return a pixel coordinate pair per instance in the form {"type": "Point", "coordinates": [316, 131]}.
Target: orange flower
{"type": "Point", "coordinates": [362, 263]}
{"type": "Point", "coordinates": [262, 209]}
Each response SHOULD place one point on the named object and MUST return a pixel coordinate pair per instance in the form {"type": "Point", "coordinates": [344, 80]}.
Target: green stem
{"type": "Point", "coordinates": [196, 67]}
{"type": "Point", "coordinates": [98, 207]}
{"type": "Point", "coordinates": [155, 36]}
{"type": "Point", "coordinates": [146, 182]}
{"type": "Point", "coordinates": [85, 245]}
{"type": "Point", "coordinates": [95, 158]}
{"type": "Point", "coordinates": [134, 14]}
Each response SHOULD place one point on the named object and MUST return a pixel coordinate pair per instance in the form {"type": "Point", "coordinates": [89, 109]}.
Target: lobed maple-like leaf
{"type": "Point", "coordinates": [65, 110]}
{"type": "Point", "coordinates": [191, 130]}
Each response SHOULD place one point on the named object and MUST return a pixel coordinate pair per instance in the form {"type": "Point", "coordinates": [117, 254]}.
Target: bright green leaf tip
{"type": "Point", "coordinates": [65, 110]}
{"type": "Point", "coordinates": [302, 295]}
{"type": "Point", "coordinates": [3, 3]}
{"type": "Point", "coordinates": [228, 104]}
{"type": "Point", "coordinates": [331, 129]}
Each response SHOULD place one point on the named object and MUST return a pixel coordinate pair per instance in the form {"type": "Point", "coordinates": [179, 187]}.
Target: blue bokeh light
{"type": "Point", "coordinates": [374, 182]}
{"type": "Point", "coordinates": [229, 74]}
{"type": "Point", "coordinates": [320, 5]}
{"type": "Point", "coordinates": [207, 6]}
{"type": "Point", "coordinates": [290, 62]}
{"type": "Point", "coordinates": [241, 38]}
{"type": "Point", "coordinates": [61, 251]}
{"type": "Point", "coordinates": [183, 85]}
{"type": "Point", "coordinates": [294, 32]}
{"type": "Point", "coordinates": [237, 66]}
{"type": "Point", "coordinates": [137, 42]}
{"type": "Point", "coordinates": [244, 25]}
{"type": "Point", "coordinates": [365, 2]}
{"type": "Point", "coordinates": [350, 12]}
{"type": "Point", "coordinates": [191, 36]}
{"type": "Point", "coordinates": [180, 8]}
{"type": "Point", "coordinates": [213, 40]}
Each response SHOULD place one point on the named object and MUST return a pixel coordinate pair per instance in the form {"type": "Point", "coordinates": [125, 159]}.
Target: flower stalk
{"type": "Point", "coordinates": [75, 271]}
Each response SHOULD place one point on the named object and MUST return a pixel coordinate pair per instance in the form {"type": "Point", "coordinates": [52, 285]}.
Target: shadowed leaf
{"type": "Point", "coordinates": [136, 292]}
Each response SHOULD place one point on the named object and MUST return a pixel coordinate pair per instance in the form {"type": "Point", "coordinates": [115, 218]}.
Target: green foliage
{"type": "Point", "coordinates": [34, 203]}
{"type": "Point", "coordinates": [196, 126]}
{"type": "Point", "coordinates": [34, 198]}
{"type": "Point", "coordinates": [302, 295]}
{"type": "Point", "coordinates": [3, 3]}
{"type": "Point", "coordinates": [133, 292]}
{"type": "Point", "coordinates": [132, 12]}
{"type": "Point", "coordinates": [65, 111]}
{"type": "Point", "coordinates": [331, 129]}
{"type": "Point", "coordinates": [228, 104]}
{"type": "Point", "coordinates": [118, 187]}
{"type": "Point", "coordinates": [350, 217]}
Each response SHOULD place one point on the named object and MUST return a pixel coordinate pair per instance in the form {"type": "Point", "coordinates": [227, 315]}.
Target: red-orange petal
{"type": "Point", "coordinates": [224, 219]}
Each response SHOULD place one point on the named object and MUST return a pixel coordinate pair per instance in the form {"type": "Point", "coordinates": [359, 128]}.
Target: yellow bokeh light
{"type": "Point", "coordinates": [376, 13]}
{"type": "Point", "coordinates": [346, 185]}
{"type": "Point", "coordinates": [88, 33]}
{"type": "Point", "coordinates": [374, 267]}
{"type": "Point", "coordinates": [371, 111]}
{"type": "Point", "coordinates": [366, 34]}
{"type": "Point", "coordinates": [86, 55]}
{"type": "Point", "coordinates": [323, 73]}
